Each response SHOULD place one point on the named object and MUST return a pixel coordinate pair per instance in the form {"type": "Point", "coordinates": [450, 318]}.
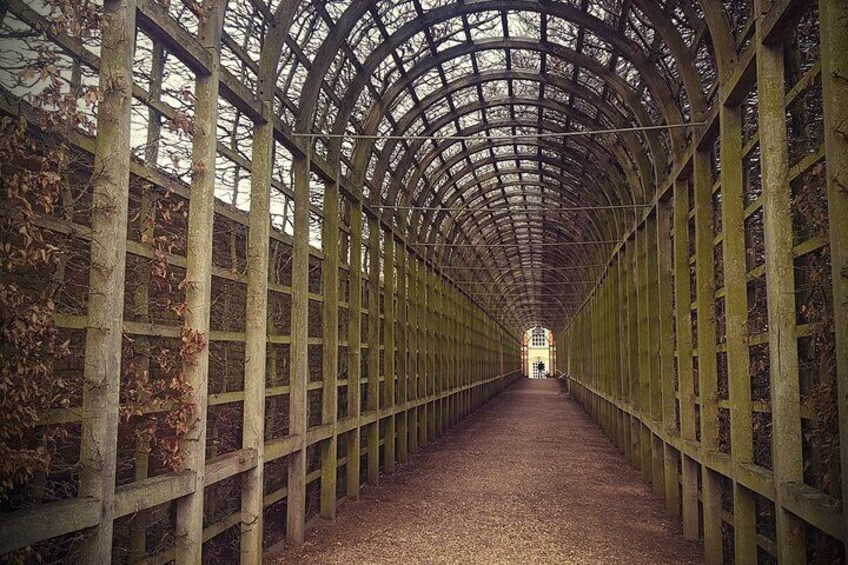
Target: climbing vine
{"type": "Point", "coordinates": [30, 342]}
{"type": "Point", "coordinates": [46, 186]}
{"type": "Point", "coordinates": [156, 405]}
{"type": "Point", "coordinates": [818, 350]}
{"type": "Point", "coordinates": [37, 171]}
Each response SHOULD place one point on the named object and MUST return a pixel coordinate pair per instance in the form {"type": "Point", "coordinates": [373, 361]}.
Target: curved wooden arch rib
{"type": "Point", "coordinates": [616, 83]}
{"type": "Point", "coordinates": [439, 147]}
{"type": "Point", "coordinates": [609, 38]}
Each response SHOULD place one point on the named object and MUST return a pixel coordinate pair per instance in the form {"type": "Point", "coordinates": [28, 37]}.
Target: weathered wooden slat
{"type": "Point", "coordinates": [388, 397]}
{"type": "Point", "coordinates": [736, 319]}
{"type": "Point", "coordinates": [199, 279]}
{"type": "Point", "coordinates": [783, 349]}
{"type": "Point", "coordinates": [373, 338]}
{"type": "Point", "coordinates": [299, 376]}
{"type": "Point", "coordinates": [330, 357]}
{"type": "Point", "coordinates": [148, 493]}
{"type": "Point", "coordinates": [401, 367]}
{"type": "Point", "coordinates": [814, 507]}
{"type": "Point", "coordinates": [833, 15]}
{"type": "Point", "coordinates": [230, 464]}
{"type": "Point", "coordinates": [29, 526]}
{"type": "Point", "coordinates": [104, 327]}
{"type": "Point", "coordinates": [354, 341]}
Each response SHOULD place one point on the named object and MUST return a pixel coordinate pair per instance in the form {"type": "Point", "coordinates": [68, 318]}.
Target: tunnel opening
{"type": "Point", "coordinates": [257, 253]}
{"type": "Point", "coordinates": [538, 353]}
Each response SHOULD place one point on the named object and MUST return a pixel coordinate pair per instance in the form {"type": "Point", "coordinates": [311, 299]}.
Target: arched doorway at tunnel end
{"type": "Point", "coordinates": [538, 353]}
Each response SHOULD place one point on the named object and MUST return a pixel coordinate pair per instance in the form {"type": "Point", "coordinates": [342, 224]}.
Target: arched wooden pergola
{"type": "Point", "coordinates": [327, 224]}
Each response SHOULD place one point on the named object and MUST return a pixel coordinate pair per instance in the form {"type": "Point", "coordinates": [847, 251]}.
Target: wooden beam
{"type": "Point", "coordinates": [689, 467]}
{"type": "Point", "coordinates": [229, 465]}
{"type": "Point", "coordinates": [780, 292]}
{"type": "Point", "coordinates": [298, 398]}
{"type": "Point", "coordinates": [402, 345]}
{"type": "Point", "coordinates": [373, 435]}
{"type": "Point", "coordinates": [256, 332]}
{"type": "Point", "coordinates": [29, 526]}
{"type": "Point", "coordinates": [665, 314]}
{"type": "Point", "coordinates": [736, 323]}
{"type": "Point", "coordinates": [432, 388]}
{"type": "Point", "coordinates": [354, 342]}
{"type": "Point", "coordinates": [157, 22]}
{"type": "Point", "coordinates": [389, 374]}
{"type": "Point", "coordinates": [330, 358]}
{"type": "Point", "coordinates": [644, 343]}
{"type": "Point", "coordinates": [833, 18]}
{"type": "Point", "coordinates": [706, 339]}
{"type": "Point", "coordinates": [413, 363]}
{"type": "Point", "coordinates": [147, 493]}
{"type": "Point", "coordinates": [199, 281]}
{"type": "Point", "coordinates": [104, 329]}
{"type": "Point", "coordinates": [656, 413]}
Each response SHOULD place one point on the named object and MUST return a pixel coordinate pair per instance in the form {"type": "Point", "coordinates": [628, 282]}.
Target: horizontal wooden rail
{"type": "Point", "coordinates": [28, 526]}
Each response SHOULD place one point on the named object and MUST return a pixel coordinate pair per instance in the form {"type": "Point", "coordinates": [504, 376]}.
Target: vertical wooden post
{"type": "Point", "coordinates": [604, 353]}
{"type": "Point", "coordinates": [477, 356]}
{"type": "Point", "coordinates": [632, 250]}
{"type": "Point", "coordinates": [373, 437]}
{"type": "Point", "coordinates": [684, 358]}
{"type": "Point", "coordinates": [780, 292]}
{"type": "Point", "coordinates": [451, 323]}
{"type": "Point", "coordinates": [472, 369]}
{"type": "Point", "coordinates": [656, 414]}
{"type": "Point", "coordinates": [354, 342]}
{"type": "Point", "coordinates": [501, 356]}
{"type": "Point", "coordinates": [110, 189]}
{"type": "Point", "coordinates": [705, 304]}
{"type": "Point", "coordinates": [402, 356]}
{"type": "Point", "coordinates": [616, 352]}
{"type": "Point", "coordinates": [256, 337]}
{"type": "Point", "coordinates": [424, 349]}
{"type": "Point", "coordinates": [469, 340]}
{"type": "Point", "coordinates": [441, 365]}
{"type": "Point", "coordinates": [298, 395]}
{"type": "Point", "coordinates": [146, 225]}
{"type": "Point", "coordinates": [623, 312]}
{"type": "Point", "coordinates": [643, 316]}
{"type": "Point", "coordinates": [449, 314]}
{"type": "Point", "coordinates": [330, 359]}
{"type": "Point", "coordinates": [389, 351]}
{"type": "Point", "coordinates": [467, 356]}
{"type": "Point", "coordinates": [450, 319]}
{"type": "Point", "coordinates": [413, 364]}
{"type": "Point", "coordinates": [199, 280]}
{"type": "Point", "coordinates": [601, 328]}
{"type": "Point", "coordinates": [665, 315]}
{"type": "Point", "coordinates": [705, 300]}
{"type": "Point", "coordinates": [736, 316]}
{"type": "Point", "coordinates": [430, 285]}
{"type": "Point", "coordinates": [833, 15]}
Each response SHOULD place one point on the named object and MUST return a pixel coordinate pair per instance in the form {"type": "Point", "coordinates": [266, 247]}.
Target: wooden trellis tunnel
{"type": "Point", "coordinates": [255, 253]}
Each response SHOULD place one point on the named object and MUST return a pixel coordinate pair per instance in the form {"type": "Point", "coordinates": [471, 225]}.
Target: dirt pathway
{"type": "Point", "coordinates": [529, 479]}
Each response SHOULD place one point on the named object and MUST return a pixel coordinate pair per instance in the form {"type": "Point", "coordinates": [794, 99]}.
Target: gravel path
{"type": "Point", "coordinates": [529, 479]}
